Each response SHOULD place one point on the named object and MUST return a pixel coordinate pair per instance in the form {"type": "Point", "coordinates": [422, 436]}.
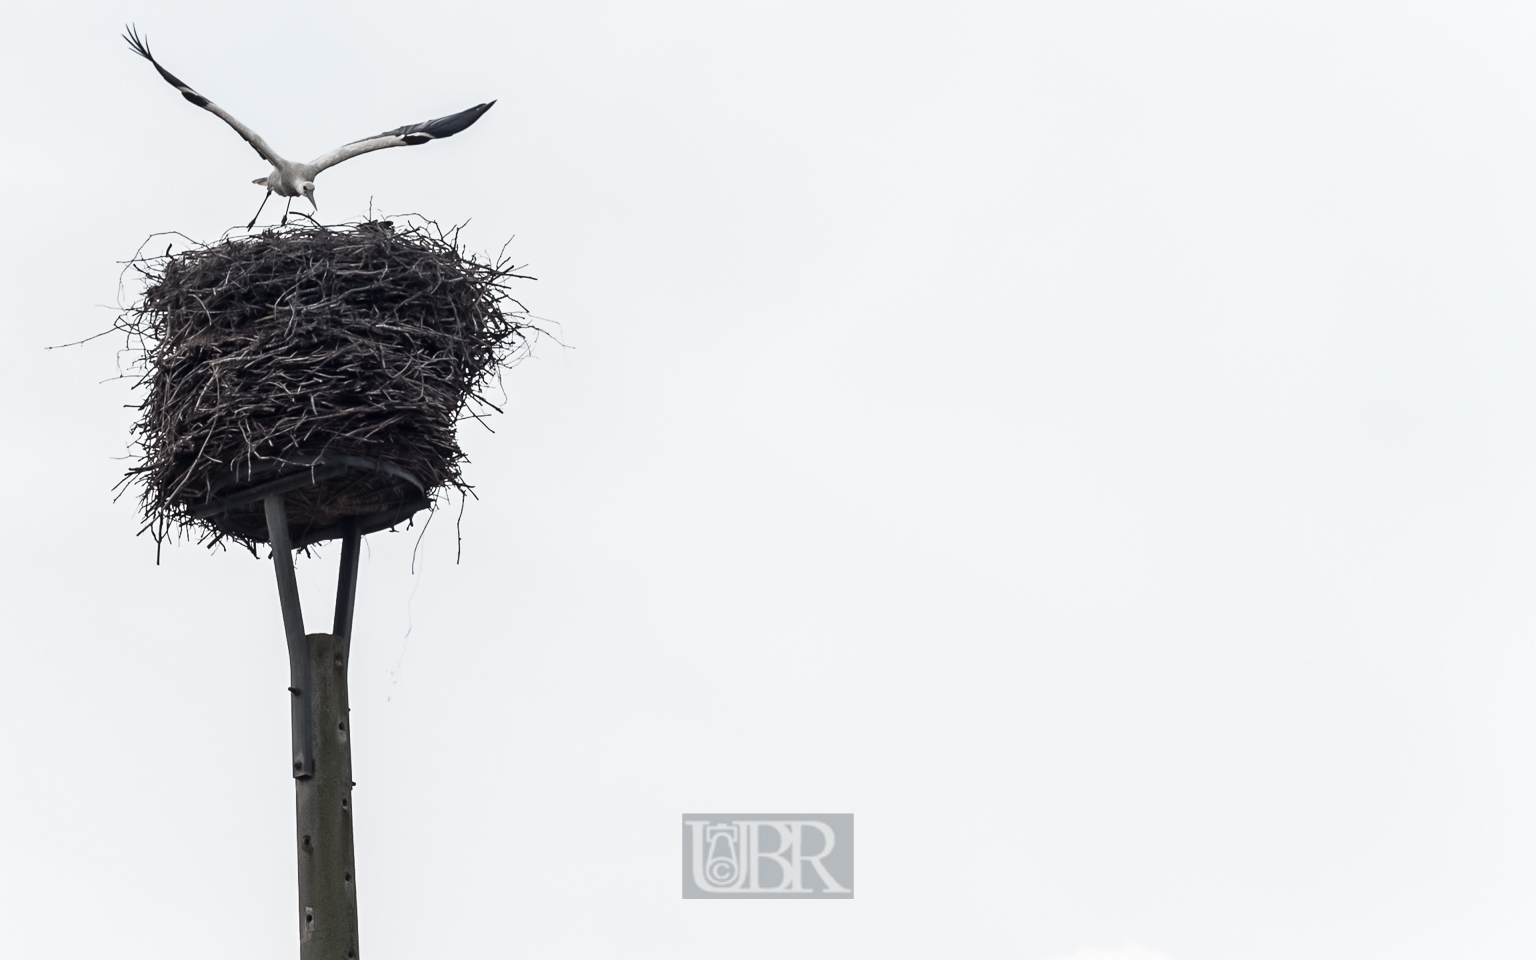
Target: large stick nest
{"type": "Point", "coordinates": [260, 353]}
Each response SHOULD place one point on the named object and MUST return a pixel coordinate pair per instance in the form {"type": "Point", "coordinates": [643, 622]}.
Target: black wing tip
{"type": "Point", "coordinates": [458, 122]}
{"type": "Point", "coordinates": [415, 134]}
{"type": "Point", "coordinates": [140, 46]}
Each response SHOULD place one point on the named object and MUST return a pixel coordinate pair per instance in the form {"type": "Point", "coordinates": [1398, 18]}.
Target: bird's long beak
{"type": "Point", "coordinates": [313, 203]}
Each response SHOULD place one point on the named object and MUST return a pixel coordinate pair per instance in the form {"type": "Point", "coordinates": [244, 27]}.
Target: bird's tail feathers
{"type": "Point", "coordinates": [261, 182]}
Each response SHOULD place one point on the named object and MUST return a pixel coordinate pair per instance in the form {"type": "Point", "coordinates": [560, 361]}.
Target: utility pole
{"type": "Point", "coordinates": [317, 686]}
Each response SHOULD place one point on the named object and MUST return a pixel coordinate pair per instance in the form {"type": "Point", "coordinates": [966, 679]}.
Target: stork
{"type": "Point", "coordinates": [290, 179]}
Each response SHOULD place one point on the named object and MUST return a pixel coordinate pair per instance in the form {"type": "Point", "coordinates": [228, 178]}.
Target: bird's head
{"type": "Point", "coordinates": [307, 188]}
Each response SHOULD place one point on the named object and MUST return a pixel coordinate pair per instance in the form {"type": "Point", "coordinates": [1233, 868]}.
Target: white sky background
{"type": "Point", "coordinates": [1091, 443]}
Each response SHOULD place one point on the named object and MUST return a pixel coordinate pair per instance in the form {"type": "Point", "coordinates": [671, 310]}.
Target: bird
{"type": "Point", "coordinates": [291, 179]}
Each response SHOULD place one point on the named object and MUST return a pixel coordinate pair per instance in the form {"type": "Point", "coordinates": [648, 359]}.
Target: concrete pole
{"type": "Point", "coordinates": [327, 870]}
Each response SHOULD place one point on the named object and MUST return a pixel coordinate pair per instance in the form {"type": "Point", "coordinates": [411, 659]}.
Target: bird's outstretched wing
{"type": "Point", "coordinates": [141, 47]}
{"type": "Point", "coordinates": [407, 136]}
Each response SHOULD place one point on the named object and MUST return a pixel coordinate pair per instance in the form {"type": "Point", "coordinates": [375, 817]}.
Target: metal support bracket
{"type": "Point", "coordinates": [300, 682]}
{"type": "Point", "coordinates": [346, 585]}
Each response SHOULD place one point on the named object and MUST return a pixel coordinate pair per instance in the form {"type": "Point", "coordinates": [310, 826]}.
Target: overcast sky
{"type": "Point", "coordinates": [1090, 442]}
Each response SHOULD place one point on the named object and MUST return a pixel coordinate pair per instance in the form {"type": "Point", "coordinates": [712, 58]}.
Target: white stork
{"type": "Point", "coordinates": [290, 179]}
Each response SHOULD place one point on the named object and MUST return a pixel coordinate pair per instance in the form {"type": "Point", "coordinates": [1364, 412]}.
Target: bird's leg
{"type": "Point", "coordinates": [285, 212]}
{"type": "Point", "coordinates": [259, 209]}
